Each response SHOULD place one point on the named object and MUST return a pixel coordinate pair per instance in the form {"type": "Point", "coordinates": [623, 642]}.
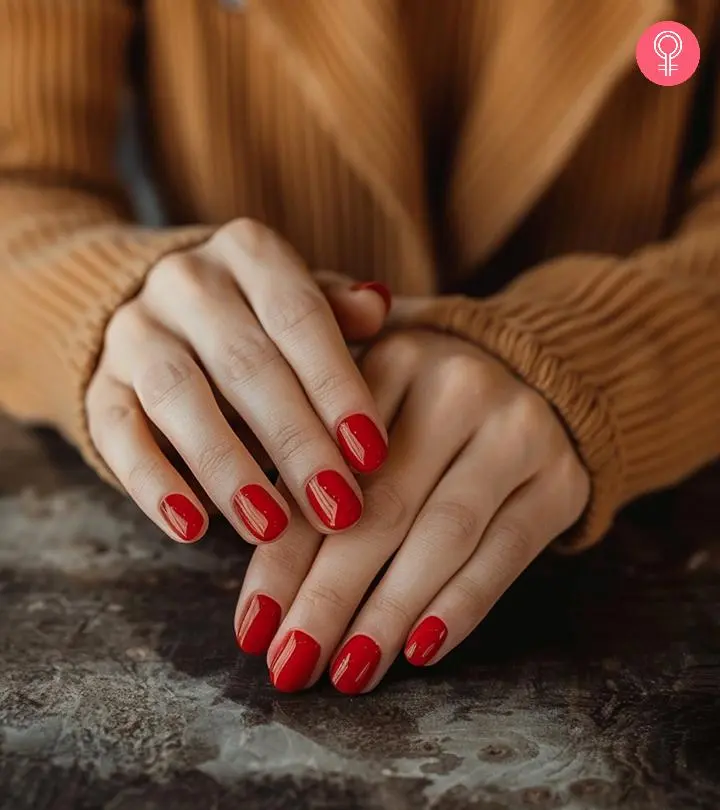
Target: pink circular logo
{"type": "Point", "coordinates": [668, 53]}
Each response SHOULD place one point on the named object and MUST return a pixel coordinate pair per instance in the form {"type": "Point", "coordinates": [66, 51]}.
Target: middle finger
{"type": "Point", "coordinates": [345, 568]}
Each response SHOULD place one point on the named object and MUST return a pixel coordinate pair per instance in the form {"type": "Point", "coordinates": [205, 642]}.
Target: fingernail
{"type": "Point", "coordinates": [259, 625]}
{"type": "Point", "coordinates": [183, 517]}
{"type": "Point", "coordinates": [425, 640]}
{"type": "Point", "coordinates": [362, 443]}
{"type": "Point", "coordinates": [260, 512]}
{"type": "Point", "coordinates": [333, 499]}
{"type": "Point", "coordinates": [379, 288]}
{"type": "Point", "coordinates": [295, 662]}
{"type": "Point", "coordinates": [355, 665]}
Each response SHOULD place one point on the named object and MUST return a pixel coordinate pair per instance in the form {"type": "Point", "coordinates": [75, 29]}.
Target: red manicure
{"type": "Point", "coordinates": [355, 665]}
{"type": "Point", "coordinates": [425, 640]}
{"type": "Point", "coordinates": [259, 625]}
{"type": "Point", "coordinates": [362, 443]}
{"type": "Point", "coordinates": [260, 512]}
{"type": "Point", "coordinates": [294, 662]}
{"type": "Point", "coordinates": [183, 517]}
{"type": "Point", "coordinates": [379, 288]}
{"type": "Point", "coordinates": [333, 499]}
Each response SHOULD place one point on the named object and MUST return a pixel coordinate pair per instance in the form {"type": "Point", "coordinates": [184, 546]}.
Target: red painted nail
{"type": "Point", "coordinates": [355, 665]}
{"type": "Point", "coordinates": [260, 512]}
{"type": "Point", "coordinates": [259, 625]}
{"type": "Point", "coordinates": [362, 443]}
{"type": "Point", "coordinates": [425, 640]}
{"type": "Point", "coordinates": [379, 288]}
{"type": "Point", "coordinates": [333, 499]}
{"type": "Point", "coordinates": [183, 517]}
{"type": "Point", "coordinates": [295, 662]}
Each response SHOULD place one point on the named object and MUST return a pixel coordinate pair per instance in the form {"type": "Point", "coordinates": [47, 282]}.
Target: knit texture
{"type": "Point", "coordinates": [402, 140]}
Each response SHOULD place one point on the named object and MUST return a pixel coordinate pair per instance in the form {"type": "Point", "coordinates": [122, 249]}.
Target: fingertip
{"type": "Point", "coordinates": [360, 312]}
{"type": "Point", "coordinates": [378, 288]}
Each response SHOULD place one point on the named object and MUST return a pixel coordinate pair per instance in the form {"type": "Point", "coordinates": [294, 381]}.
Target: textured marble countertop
{"type": "Point", "coordinates": [595, 684]}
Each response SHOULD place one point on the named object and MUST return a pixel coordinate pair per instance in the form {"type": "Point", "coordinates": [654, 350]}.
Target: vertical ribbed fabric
{"type": "Point", "coordinates": [383, 138]}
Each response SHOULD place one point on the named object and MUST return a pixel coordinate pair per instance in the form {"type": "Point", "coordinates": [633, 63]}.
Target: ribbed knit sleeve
{"type": "Point", "coordinates": [626, 349]}
{"type": "Point", "coordinates": [69, 255]}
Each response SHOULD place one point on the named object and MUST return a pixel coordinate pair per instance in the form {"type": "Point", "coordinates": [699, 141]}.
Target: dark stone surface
{"type": "Point", "coordinates": [595, 683]}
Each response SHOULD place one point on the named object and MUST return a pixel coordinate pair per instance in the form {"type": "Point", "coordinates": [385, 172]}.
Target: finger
{"type": "Point", "coordinates": [273, 578]}
{"type": "Point", "coordinates": [388, 367]}
{"type": "Point", "coordinates": [255, 379]}
{"type": "Point", "coordinates": [177, 398]}
{"type": "Point", "coordinates": [296, 316]}
{"type": "Point", "coordinates": [122, 436]}
{"type": "Point", "coordinates": [528, 522]}
{"type": "Point", "coordinates": [345, 568]}
{"type": "Point", "coordinates": [441, 540]}
{"type": "Point", "coordinates": [277, 571]}
{"type": "Point", "coordinates": [360, 309]}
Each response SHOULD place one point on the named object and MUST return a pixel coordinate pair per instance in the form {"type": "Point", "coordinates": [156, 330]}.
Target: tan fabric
{"type": "Point", "coordinates": [428, 144]}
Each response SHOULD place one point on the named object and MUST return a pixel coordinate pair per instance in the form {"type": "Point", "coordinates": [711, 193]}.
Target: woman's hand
{"type": "Point", "coordinates": [239, 324]}
{"type": "Point", "coordinates": [480, 478]}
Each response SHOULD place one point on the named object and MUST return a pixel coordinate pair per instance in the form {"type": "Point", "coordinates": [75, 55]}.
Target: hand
{"type": "Point", "coordinates": [239, 325]}
{"type": "Point", "coordinates": [480, 478]}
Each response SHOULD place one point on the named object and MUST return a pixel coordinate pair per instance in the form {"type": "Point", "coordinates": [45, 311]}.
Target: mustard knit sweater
{"type": "Point", "coordinates": [463, 145]}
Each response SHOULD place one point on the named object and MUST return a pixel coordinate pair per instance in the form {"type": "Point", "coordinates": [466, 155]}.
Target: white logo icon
{"type": "Point", "coordinates": [675, 43]}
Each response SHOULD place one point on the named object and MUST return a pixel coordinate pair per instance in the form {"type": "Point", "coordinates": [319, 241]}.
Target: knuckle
{"type": "Point", "coordinates": [385, 510]}
{"type": "Point", "coordinates": [242, 358]}
{"type": "Point", "coordinates": [179, 272]}
{"type": "Point", "coordinates": [109, 423]}
{"type": "Point", "coordinates": [164, 382]}
{"type": "Point", "coordinates": [461, 383]}
{"type": "Point", "coordinates": [397, 350]}
{"type": "Point", "coordinates": [321, 596]}
{"type": "Point", "coordinates": [394, 608]}
{"type": "Point", "coordinates": [213, 460]}
{"type": "Point", "coordinates": [325, 384]}
{"type": "Point", "coordinates": [294, 310]}
{"type": "Point", "coordinates": [247, 235]}
{"type": "Point", "coordinates": [457, 524]}
{"type": "Point", "coordinates": [470, 591]}
{"type": "Point", "coordinates": [127, 320]}
{"type": "Point", "coordinates": [530, 414]}
{"type": "Point", "coordinates": [140, 477]}
{"type": "Point", "coordinates": [291, 441]}
{"type": "Point", "coordinates": [515, 539]}
{"type": "Point", "coordinates": [285, 560]}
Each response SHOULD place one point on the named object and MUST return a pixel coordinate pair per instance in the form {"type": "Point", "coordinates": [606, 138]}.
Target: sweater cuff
{"type": "Point", "coordinates": [532, 337]}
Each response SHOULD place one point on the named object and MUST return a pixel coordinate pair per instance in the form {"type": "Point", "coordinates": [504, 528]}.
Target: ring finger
{"type": "Point", "coordinates": [528, 522]}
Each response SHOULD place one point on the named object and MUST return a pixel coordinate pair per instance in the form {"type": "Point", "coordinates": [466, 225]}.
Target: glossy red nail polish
{"type": "Point", "coordinates": [183, 517]}
{"type": "Point", "coordinates": [259, 625]}
{"type": "Point", "coordinates": [379, 288]}
{"type": "Point", "coordinates": [425, 640]}
{"type": "Point", "coordinates": [333, 499]}
{"type": "Point", "coordinates": [260, 512]}
{"type": "Point", "coordinates": [355, 665]}
{"type": "Point", "coordinates": [362, 443]}
{"type": "Point", "coordinates": [295, 662]}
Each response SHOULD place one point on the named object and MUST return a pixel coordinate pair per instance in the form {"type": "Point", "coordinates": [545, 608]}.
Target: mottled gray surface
{"type": "Point", "coordinates": [594, 685]}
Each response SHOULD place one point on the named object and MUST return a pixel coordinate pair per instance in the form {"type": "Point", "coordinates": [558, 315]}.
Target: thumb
{"type": "Point", "coordinates": [360, 308]}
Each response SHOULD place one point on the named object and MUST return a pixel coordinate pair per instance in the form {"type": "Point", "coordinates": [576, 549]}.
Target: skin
{"type": "Point", "coordinates": [460, 510]}
{"type": "Point", "coordinates": [233, 356]}
{"type": "Point", "coordinates": [231, 340]}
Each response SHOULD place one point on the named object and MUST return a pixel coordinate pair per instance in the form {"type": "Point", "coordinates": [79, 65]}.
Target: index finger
{"type": "Point", "coordinates": [296, 316]}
